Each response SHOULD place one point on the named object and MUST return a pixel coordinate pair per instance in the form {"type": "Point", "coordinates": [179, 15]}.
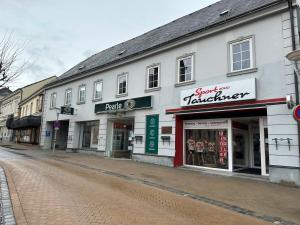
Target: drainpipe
{"type": "Point", "coordinates": [296, 80]}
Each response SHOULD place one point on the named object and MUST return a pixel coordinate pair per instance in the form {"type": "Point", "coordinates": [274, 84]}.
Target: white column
{"type": "Point", "coordinates": [262, 146]}
{"type": "Point", "coordinates": [230, 151]}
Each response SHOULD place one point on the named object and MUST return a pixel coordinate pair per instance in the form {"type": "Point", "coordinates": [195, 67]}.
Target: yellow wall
{"type": "Point", "coordinates": [32, 107]}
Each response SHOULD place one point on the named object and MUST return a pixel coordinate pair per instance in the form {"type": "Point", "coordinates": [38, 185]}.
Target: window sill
{"type": "Point", "coordinates": [185, 83]}
{"type": "Point", "coordinates": [97, 100]}
{"type": "Point", "coordinates": [241, 72]}
{"type": "Point", "coordinates": [152, 89]}
{"type": "Point", "coordinates": [80, 103]}
{"type": "Point", "coordinates": [121, 95]}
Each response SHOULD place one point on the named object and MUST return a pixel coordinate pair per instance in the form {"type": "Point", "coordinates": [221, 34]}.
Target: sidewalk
{"type": "Point", "coordinates": [259, 197]}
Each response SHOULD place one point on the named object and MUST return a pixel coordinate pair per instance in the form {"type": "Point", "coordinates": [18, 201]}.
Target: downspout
{"type": "Point", "coordinates": [296, 80]}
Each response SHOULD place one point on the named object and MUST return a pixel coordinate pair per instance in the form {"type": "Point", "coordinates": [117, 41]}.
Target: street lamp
{"type": "Point", "coordinates": [56, 128]}
{"type": "Point", "coordinates": [294, 56]}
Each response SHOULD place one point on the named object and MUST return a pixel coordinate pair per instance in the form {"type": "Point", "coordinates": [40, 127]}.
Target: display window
{"type": "Point", "coordinates": [208, 148]}
{"type": "Point", "coordinates": [206, 143]}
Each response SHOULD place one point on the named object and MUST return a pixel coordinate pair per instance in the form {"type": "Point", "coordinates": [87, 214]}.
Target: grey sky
{"type": "Point", "coordinates": [61, 33]}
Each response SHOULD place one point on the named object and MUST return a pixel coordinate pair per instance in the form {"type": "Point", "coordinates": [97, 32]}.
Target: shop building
{"type": "Point", "coordinates": [10, 111]}
{"type": "Point", "coordinates": [206, 91]}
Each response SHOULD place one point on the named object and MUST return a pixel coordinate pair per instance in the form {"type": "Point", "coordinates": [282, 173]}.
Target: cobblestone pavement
{"type": "Point", "coordinates": [72, 189]}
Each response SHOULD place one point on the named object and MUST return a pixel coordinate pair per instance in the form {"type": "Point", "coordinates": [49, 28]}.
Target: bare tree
{"type": "Point", "coordinates": [11, 65]}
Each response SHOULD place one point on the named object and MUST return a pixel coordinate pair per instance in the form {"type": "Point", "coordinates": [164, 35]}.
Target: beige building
{"type": "Point", "coordinates": [10, 111]}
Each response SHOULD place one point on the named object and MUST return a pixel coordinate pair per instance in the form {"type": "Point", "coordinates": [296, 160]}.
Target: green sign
{"type": "Point", "coordinates": [124, 105]}
{"type": "Point", "coordinates": [152, 123]}
{"type": "Point", "coordinates": [66, 110]}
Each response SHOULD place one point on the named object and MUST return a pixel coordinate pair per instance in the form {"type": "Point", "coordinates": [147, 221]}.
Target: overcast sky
{"type": "Point", "coordinates": [61, 33]}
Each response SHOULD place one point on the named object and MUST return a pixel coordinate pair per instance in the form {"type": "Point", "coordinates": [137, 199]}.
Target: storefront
{"type": "Point", "coordinates": [223, 127]}
{"type": "Point", "coordinates": [119, 117]}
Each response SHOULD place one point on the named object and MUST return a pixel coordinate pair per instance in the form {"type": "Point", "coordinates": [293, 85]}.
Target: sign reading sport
{"type": "Point", "coordinates": [220, 93]}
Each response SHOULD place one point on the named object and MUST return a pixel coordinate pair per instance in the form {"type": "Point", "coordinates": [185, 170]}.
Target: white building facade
{"type": "Point", "coordinates": [214, 98]}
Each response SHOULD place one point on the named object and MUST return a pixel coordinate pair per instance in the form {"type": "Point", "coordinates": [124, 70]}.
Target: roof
{"type": "Point", "coordinates": [195, 22]}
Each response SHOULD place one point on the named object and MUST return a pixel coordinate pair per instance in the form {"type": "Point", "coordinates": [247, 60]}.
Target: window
{"type": "Point", "coordinates": [122, 84]}
{"type": "Point", "coordinates": [68, 97]}
{"type": "Point", "coordinates": [98, 85]}
{"type": "Point", "coordinates": [37, 108]}
{"type": "Point", "coordinates": [26, 110]}
{"type": "Point", "coordinates": [241, 56]}
{"type": "Point", "coordinates": [185, 69]}
{"type": "Point", "coordinates": [31, 107]}
{"type": "Point", "coordinates": [153, 77]}
{"type": "Point", "coordinates": [207, 148]}
{"type": "Point", "coordinates": [81, 94]}
{"type": "Point", "coordinates": [53, 101]}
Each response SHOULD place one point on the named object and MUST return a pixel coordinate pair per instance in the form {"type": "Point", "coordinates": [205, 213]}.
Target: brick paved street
{"type": "Point", "coordinates": [85, 189]}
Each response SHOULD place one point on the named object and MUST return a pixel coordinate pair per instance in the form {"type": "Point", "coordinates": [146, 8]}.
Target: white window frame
{"type": "Point", "coordinates": [158, 77]}
{"type": "Point", "coordinates": [118, 84]}
{"type": "Point", "coordinates": [251, 49]}
{"type": "Point", "coordinates": [69, 90]}
{"type": "Point", "coordinates": [53, 103]}
{"type": "Point", "coordinates": [84, 97]}
{"type": "Point", "coordinates": [191, 56]}
{"type": "Point", "coordinates": [94, 92]}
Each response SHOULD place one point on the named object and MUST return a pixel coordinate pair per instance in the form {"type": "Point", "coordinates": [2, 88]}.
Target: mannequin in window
{"type": "Point", "coordinates": [191, 149]}
{"type": "Point", "coordinates": [200, 151]}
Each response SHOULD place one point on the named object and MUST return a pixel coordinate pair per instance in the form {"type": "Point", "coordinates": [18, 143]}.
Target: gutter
{"type": "Point", "coordinates": [91, 71]}
{"type": "Point", "coordinates": [296, 80]}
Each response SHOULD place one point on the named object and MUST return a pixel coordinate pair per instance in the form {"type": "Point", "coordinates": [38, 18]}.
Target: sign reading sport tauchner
{"type": "Point", "coordinates": [227, 92]}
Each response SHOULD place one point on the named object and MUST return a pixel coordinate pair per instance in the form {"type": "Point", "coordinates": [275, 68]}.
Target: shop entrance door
{"type": "Point", "coordinates": [122, 138]}
{"type": "Point", "coordinates": [90, 134]}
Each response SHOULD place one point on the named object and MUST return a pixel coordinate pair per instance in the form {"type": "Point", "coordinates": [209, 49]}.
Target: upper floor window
{"type": "Point", "coordinates": [31, 108]}
{"type": "Point", "coordinates": [153, 77]}
{"type": "Point", "coordinates": [81, 93]}
{"type": "Point", "coordinates": [53, 100]}
{"type": "Point", "coordinates": [185, 69]}
{"type": "Point", "coordinates": [241, 55]}
{"type": "Point", "coordinates": [98, 85]}
{"type": "Point", "coordinates": [122, 84]}
{"type": "Point", "coordinates": [68, 97]}
{"type": "Point", "coordinates": [37, 109]}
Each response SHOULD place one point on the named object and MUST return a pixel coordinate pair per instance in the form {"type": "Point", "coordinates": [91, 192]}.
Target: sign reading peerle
{"type": "Point", "coordinates": [124, 105]}
{"type": "Point", "coordinates": [227, 92]}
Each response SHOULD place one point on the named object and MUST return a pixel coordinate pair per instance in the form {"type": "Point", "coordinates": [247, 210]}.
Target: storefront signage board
{"type": "Point", "coordinates": [206, 124]}
{"type": "Point", "coordinates": [152, 128]}
{"type": "Point", "coordinates": [124, 105]}
{"type": "Point", "coordinates": [227, 92]}
{"type": "Point", "coordinates": [67, 110]}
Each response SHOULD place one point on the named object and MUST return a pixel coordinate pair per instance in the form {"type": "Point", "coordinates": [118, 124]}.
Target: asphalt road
{"type": "Point", "coordinates": [47, 191]}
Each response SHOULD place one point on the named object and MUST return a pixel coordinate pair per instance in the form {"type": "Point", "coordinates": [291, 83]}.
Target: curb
{"type": "Point", "coordinates": [6, 211]}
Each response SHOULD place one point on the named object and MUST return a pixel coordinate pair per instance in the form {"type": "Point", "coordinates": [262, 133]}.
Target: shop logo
{"type": "Point", "coordinates": [228, 92]}
{"type": "Point", "coordinates": [129, 104]}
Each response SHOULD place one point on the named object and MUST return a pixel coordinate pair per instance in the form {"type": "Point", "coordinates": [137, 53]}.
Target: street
{"type": "Point", "coordinates": [45, 190]}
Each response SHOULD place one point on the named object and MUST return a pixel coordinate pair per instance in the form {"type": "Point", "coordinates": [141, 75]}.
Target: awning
{"type": "Point", "coordinates": [24, 122]}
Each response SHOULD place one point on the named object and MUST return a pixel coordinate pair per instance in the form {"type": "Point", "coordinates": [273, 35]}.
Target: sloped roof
{"type": "Point", "coordinates": [195, 22]}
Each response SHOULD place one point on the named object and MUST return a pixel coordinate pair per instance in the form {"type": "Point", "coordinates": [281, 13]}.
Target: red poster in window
{"type": "Point", "coordinates": [223, 143]}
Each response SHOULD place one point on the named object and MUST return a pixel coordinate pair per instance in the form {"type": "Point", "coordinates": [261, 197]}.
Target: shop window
{"type": "Point", "coordinates": [98, 86]}
{"type": "Point", "coordinates": [241, 55]}
{"type": "Point", "coordinates": [122, 84]}
{"type": "Point", "coordinates": [153, 77]}
{"type": "Point", "coordinates": [53, 100]}
{"type": "Point", "coordinates": [68, 96]}
{"type": "Point", "coordinates": [207, 148]}
{"type": "Point", "coordinates": [81, 94]}
{"type": "Point", "coordinates": [185, 69]}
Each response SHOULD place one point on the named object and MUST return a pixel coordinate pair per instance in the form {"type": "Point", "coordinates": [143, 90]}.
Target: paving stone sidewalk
{"type": "Point", "coordinates": [270, 202]}
{"type": "Point", "coordinates": [6, 212]}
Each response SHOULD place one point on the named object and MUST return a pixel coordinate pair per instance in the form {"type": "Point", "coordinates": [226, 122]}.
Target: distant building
{"type": "Point", "coordinates": [207, 91]}
{"type": "Point", "coordinates": [10, 108]}
{"type": "Point", "coordinates": [4, 92]}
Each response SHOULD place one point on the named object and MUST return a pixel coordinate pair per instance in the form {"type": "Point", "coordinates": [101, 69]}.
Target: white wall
{"type": "Point", "coordinates": [211, 67]}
